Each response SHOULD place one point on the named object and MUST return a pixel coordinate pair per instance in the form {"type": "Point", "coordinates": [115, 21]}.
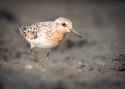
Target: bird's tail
{"type": "Point", "coordinates": [11, 17]}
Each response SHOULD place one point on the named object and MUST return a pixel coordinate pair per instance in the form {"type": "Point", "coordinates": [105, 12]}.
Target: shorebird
{"type": "Point", "coordinates": [48, 34]}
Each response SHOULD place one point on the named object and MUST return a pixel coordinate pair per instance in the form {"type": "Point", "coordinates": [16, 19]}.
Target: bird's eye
{"type": "Point", "coordinates": [64, 24]}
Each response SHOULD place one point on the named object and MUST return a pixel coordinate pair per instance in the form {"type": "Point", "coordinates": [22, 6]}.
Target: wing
{"type": "Point", "coordinates": [33, 31]}
{"type": "Point", "coordinates": [29, 31]}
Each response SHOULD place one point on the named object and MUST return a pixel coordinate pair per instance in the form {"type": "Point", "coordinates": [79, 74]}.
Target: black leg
{"type": "Point", "coordinates": [48, 53]}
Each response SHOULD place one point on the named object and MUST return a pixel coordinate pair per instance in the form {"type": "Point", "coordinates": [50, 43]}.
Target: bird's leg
{"type": "Point", "coordinates": [47, 54]}
{"type": "Point", "coordinates": [35, 54]}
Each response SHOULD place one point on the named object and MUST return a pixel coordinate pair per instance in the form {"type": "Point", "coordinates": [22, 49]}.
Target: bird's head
{"type": "Point", "coordinates": [65, 25]}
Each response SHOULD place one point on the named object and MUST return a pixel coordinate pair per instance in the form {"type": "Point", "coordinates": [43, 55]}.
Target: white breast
{"type": "Point", "coordinates": [42, 43]}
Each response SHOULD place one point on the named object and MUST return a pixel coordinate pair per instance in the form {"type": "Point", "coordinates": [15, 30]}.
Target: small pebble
{"type": "Point", "coordinates": [29, 66]}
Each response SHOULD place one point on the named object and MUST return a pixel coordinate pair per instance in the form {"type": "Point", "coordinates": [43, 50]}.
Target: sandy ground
{"type": "Point", "coordinates": [96, 61]}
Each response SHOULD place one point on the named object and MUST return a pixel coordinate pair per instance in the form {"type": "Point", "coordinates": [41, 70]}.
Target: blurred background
{"type": "Point", "coordinates": [96, 61]}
